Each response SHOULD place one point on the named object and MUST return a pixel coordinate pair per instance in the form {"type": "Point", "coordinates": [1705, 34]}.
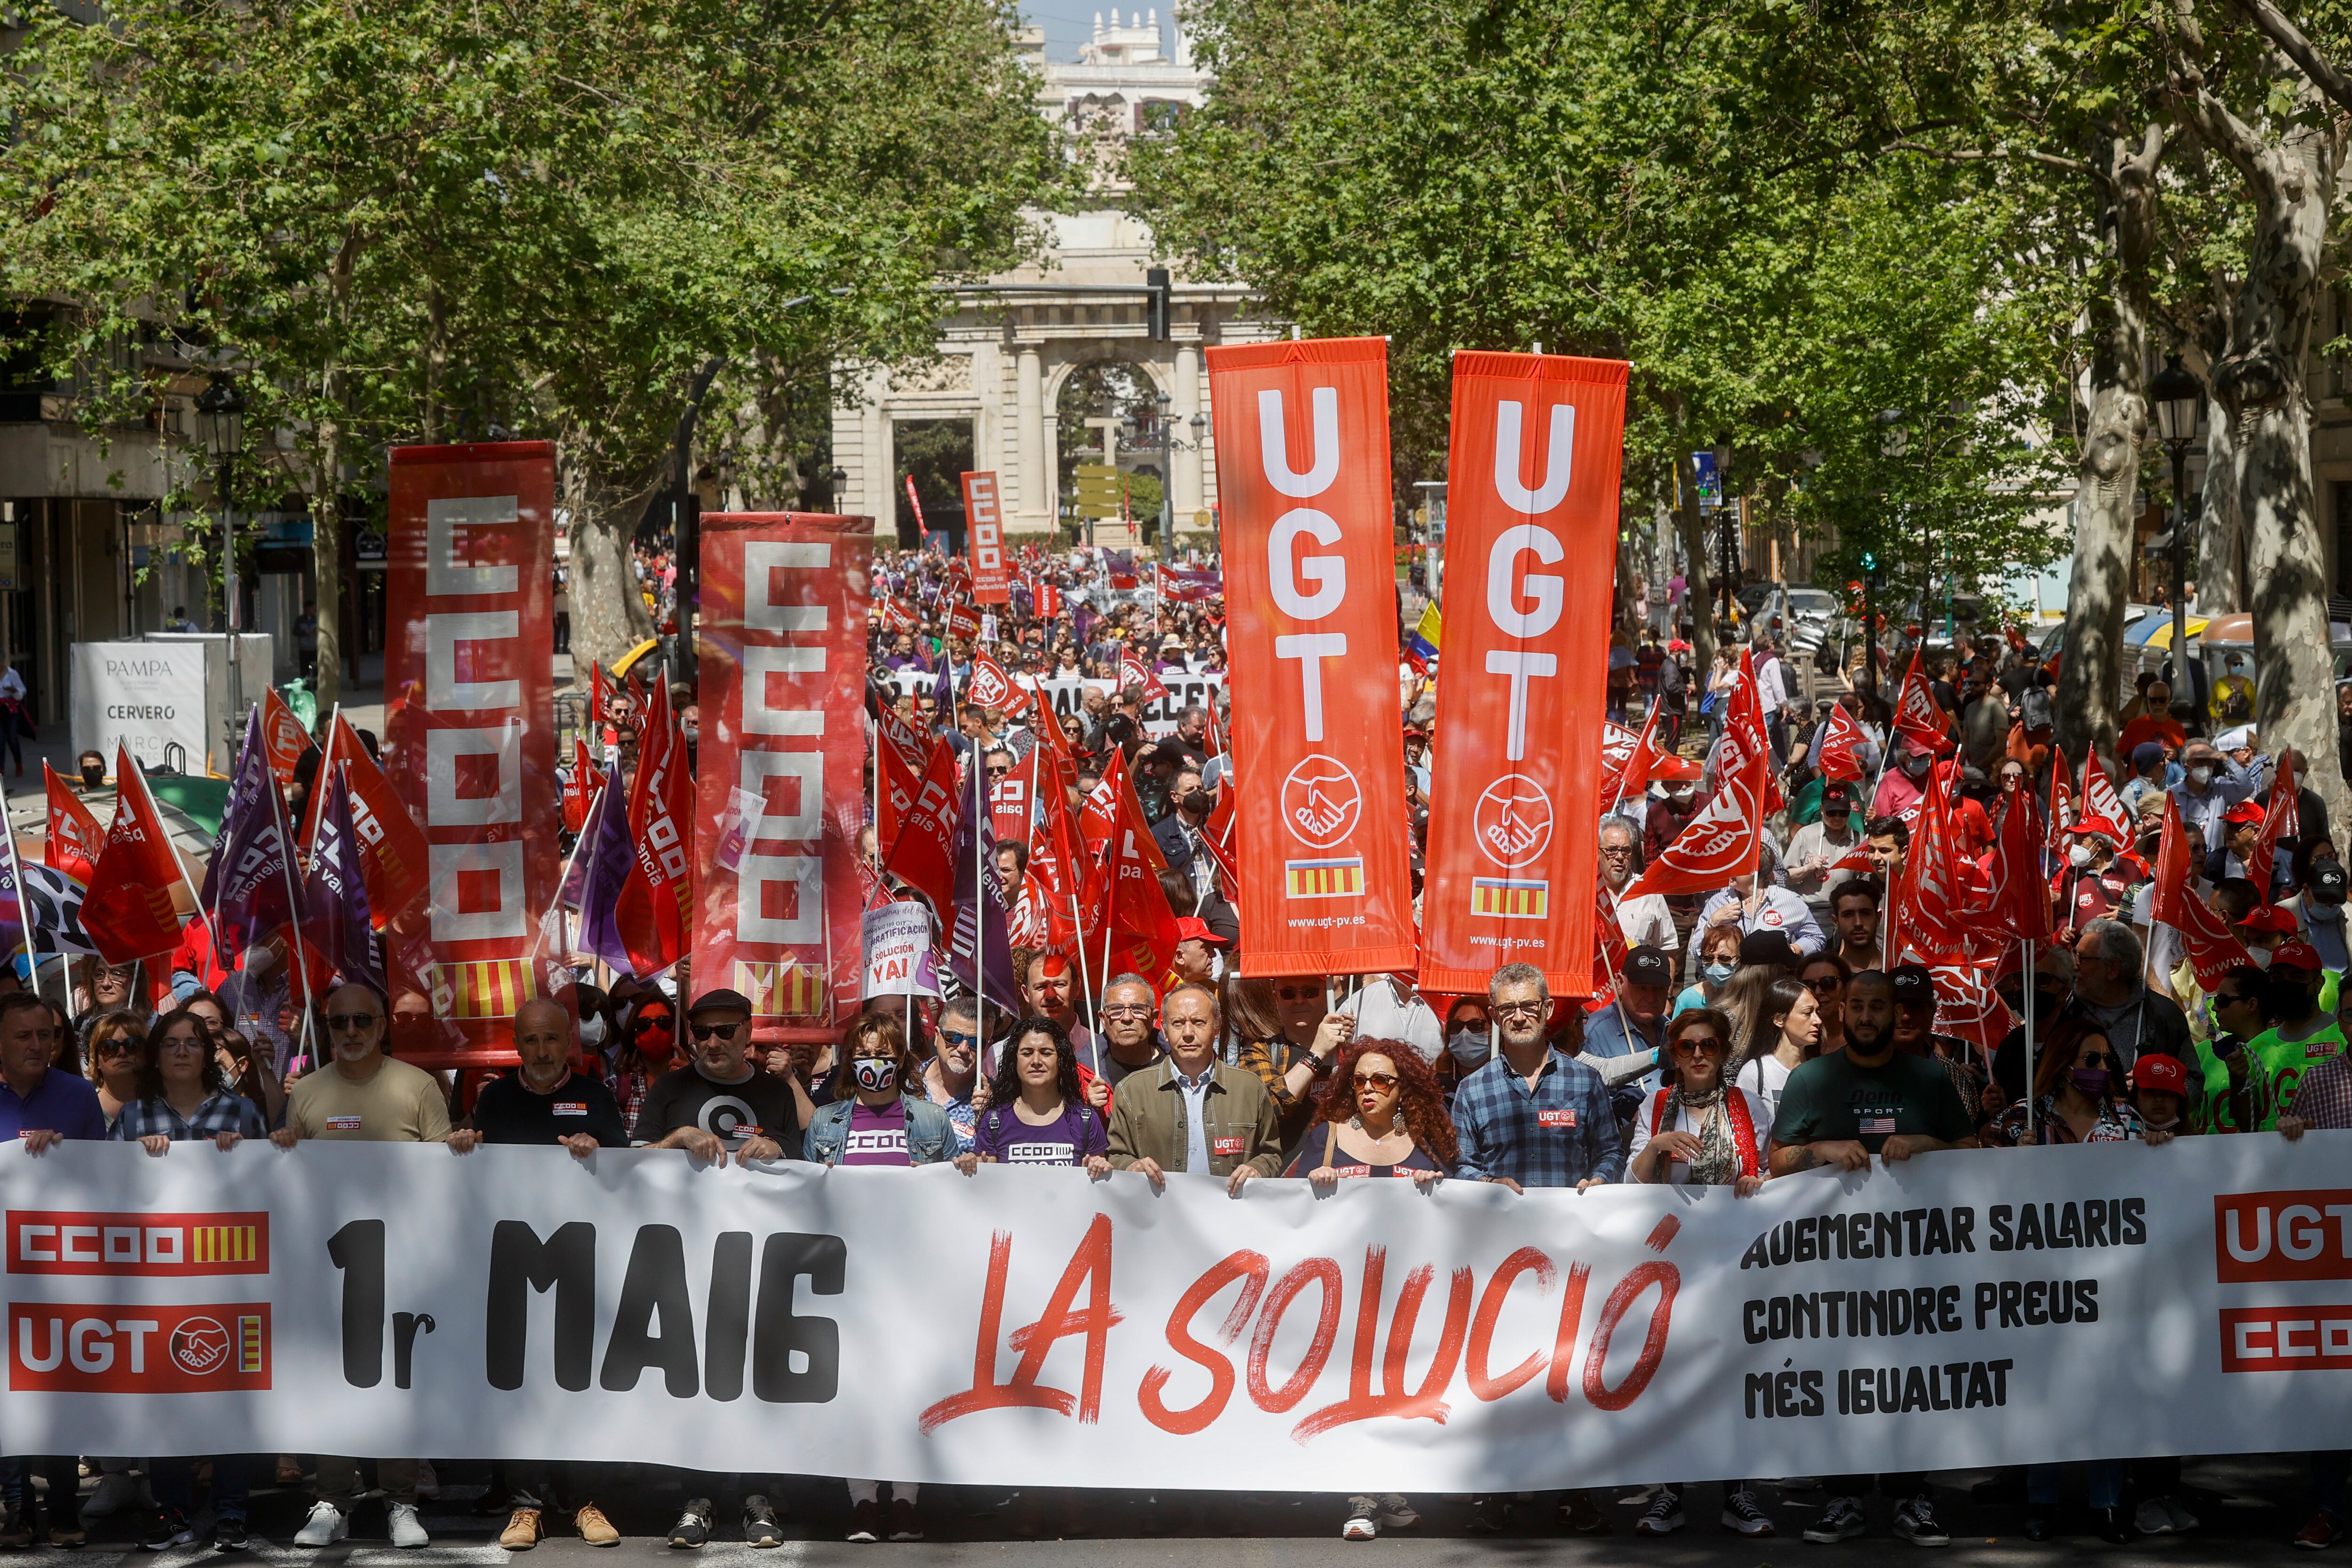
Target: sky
{"type": "Point", "coordinates": [1069, 23]}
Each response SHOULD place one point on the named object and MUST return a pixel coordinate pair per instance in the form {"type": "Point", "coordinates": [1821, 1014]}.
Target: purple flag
{"type": "Point", "coordinates": [340, 927]}
{"type": "Point", "coordinates": [600, 872]}
{"type": "Point", "coordinates": [248, 889]}
{"type": "Point", "coordinates": [983, 905]}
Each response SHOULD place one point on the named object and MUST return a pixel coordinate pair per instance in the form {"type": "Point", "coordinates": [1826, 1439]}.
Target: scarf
{"type": "Point", "coordinates": [1716, 1163]}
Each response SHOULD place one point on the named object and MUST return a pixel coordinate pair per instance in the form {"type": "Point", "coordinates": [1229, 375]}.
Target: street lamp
{"type": "Point", "coordinates": [2178, 400]}
{"type": "Point", "coordinates": [220, 421]}
{"type": "Point", "coordinates": [1167, 480]}
{"type": "Point", "coordinates": [1729, 547]}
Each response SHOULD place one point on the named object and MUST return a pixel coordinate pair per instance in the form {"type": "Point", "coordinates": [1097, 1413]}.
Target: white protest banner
{"type": "Point", "coordinates": [899, 961]}
{"type": "Point", "coordinates": [148, 698]}
{"type": "Point", "coordinates": [1010, 1329]}
{"type": "Point", "coordinates": [1066, 695]}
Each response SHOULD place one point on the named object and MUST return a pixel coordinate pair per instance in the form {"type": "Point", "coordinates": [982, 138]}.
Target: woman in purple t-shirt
{"type": "Point", "coordinates": [1036, 1114]}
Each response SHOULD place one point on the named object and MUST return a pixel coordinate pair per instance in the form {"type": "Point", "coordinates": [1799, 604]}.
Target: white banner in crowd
{"type": "Point", "coordinates": [1066, 695]}
{"type": "Point", "coordinates": [1016, 1326]}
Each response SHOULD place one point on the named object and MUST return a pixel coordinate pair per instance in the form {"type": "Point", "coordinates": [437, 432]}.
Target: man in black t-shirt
{"type": "Point", "coordinates": [543, 1101]}
{"type": "Point", "coordinates": [718, 1102]}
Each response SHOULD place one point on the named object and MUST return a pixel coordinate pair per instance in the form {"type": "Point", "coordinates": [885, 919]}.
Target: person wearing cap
{"type": "Point", "coordinates": [2150, 773]}
{"type": "Point", "coordinates": [1755, 904]}
{"type": "Point", "coordinates": [2245, 759]}
{"type": "Point", "coordinates": [1915, 1032]}
{"type": "Point", "coordinates": [2302, 1033]}
{"type": "Point", "coordinates": [1815, 850]}
{"type": "Point", "coordinates": [2239, 835]}
{"type": "Point", "coordinates": [1196, 950]}
{"type": "Point", "coordinates": [718, 1103]}
{"type": "Point", "coordinates": [2318, 902]}
{"type": "Point", "coordinates": [1635, 1020]}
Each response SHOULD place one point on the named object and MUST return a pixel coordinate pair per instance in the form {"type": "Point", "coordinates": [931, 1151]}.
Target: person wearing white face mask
{"type": "Point", "coordinates": [2205, 791]}
{"type": "Point", "coordinates": [2097, 881]}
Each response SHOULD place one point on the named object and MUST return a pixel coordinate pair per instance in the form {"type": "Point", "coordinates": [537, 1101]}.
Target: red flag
{"type": "Point", "coordinates": [1608, 948]}
{"type": "Point", "coordinates": [128, 912]}
{"type": "Point", "coordinates": [1213, 740]}
{"type": "Point", "coordinates": [1305, 487]}
{"type": "Point", "coordinates": [1013, 798]}
{"type": "Point", "coordinates": [74, 839]}
{"type": "Point", "coordinates": [1775, 801]}
{"type": "Point", "coordinates": [1840, 746]}
{"type": "Point", "coordinates": [1931, 895]}
{"type": "Point", "coordinates": [2101, 809]}
{"type": "Point", "coordinates": [897, 617]}
{"type": "Point", "coordinates": [1098, 819]}
{"type": "Point", "coordinates": [902, 753]}
{"type": "Point", "coordinates": [1726, 837]}
{"type": "Point", "coordinates": [1969, 1008]}
{"type": "Point", "coordinates": [654, 912]}
{"type": "Point", "coordinates": [2020, 894]}
{"type": "Point", "coordinates": [990, 579]}
{"type": "Point", "coordinates": [1617, 747]}
{"type": "Point", "coordinates": [1143, 927]}
{"type": "Point", "coordinates": [1134, 671]}
{"type": "Point", "coordinates": [2213, 948]}
{"type": "Point", "coordinates": [923, 854]}
{"type": "Point", "coordinates": [990, 687]}
{"type": "Point", "coordinates": [2061, 802]}
{"type": "Point", "coordinates": [1917, 719]}
{"type": "Point", "coordinates": [2282, 822]}
{"type": "Point", "coordinates": [395, 860]}
{"type": "Point", "coordinates": [583, 788]}
{"type": "Point", "coordinates": [282, 736]}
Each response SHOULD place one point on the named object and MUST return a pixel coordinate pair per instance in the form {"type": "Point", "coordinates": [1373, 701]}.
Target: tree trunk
{"type": "Point", "coordinates": [608, 616]}
{"type": "Point", "coordinates": [1696, 592]}
{"type": "Point", "coordinates": [327, 559]}
{"type": "Point", "coordinates": [2221, 584]}
{"type": "Point", "coordinates": [2107, 497]}
{"type": "Point", "coordinates": [2259, 380]}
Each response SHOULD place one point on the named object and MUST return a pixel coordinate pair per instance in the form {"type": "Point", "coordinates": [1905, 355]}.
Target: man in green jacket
{"type": "Point", "coordinates": [1191, 1114]}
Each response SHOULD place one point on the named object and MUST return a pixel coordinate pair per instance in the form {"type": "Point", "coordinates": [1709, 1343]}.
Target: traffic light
{"type": "Point", "coordinates": [1156, 304]}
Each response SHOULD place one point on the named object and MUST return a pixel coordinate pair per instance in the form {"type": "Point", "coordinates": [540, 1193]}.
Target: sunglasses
{"type": "Point", "coordinates": [2096, 1059]}
{"type": "Point", "coordinates": [1823, 982]}
{"type": "Point", "coordinates": [643, 1026]}
{"type": "Point", "coordinates": [1299, 993]}
{"type": "Point", "coordinates": [1696, 1045]}
{"type": "Point", "coordinates": [704, 1031]}
{"type": "Point", "coordinates": [959, 1039]}
{"type": "Point", "coordinates": [1378, 1079]}
{"type": "Point", "coordinates": [351, 1020]}
{"type": "Point", "coordinates": [2229, 999]}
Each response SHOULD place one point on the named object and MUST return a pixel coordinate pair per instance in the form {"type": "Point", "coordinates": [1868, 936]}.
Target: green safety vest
{"type": "Point", "coordinates": [2284, 1063]}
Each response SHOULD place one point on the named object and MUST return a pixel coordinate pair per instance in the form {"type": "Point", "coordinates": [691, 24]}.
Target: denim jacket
{"type": "Point", "coordinates": [930, 1139]}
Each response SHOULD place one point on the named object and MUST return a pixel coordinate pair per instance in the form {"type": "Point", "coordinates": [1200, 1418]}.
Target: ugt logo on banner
{"type": "Point", "coordinates": [1312, 636]}
{"type": "Point", "coordinates": [1533, 511]}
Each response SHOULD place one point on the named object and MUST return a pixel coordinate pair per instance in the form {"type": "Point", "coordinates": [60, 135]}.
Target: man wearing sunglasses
{"type": "Point", "coordinates": [720, 1104]}
{"type": "Point", "coordinates": [363, 1096]}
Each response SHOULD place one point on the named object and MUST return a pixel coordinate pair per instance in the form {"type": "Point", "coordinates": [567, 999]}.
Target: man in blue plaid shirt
{"type": "Point", "coordinates": [1534, 1117]}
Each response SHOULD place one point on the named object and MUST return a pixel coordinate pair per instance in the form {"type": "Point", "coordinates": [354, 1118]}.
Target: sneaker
{"type": "Point", "coordinates": [1579, 1514]}
{"type": "Point", "coordinates": [1663, 1516]}
{"type": "Point", "coordinates": [2183, 1522]}
{"type": "Point", "coordinates": [2153, 1518]}
{"type": "Point", "coordinates": [1488, 1515]}
{"type": "Point", "coordinates": [1841, 1519]}
{"type": "Point", "coordinates": [1395, 1513]}
{"type": "Point", "coordinates": [325, 1526]}
{"type": "Point", "coordinates": [1741, 1515]}
{"type": "Point", "coordinates": [228, 1533]}
{"type": "Point", "coordinates": [759, 1522]}
{"type": "Point", "coordinates": [169, 1528]}
{"type": "Point", "coordinates": [1915, 1522]}
{"type": "Point", "coordinates": [1363, 1520]}
{"type": "Point", "coordinates": [906, 1520]}
{"type": "Point", "coordinates": [407, 1530]}
{"type": "Point", "coordinates": [2109, 1523]}
{"type": "Point", "coordinates": [594, 1529]}
{"type": "Point", "coordinates": [67, 1537]}
{"type": "Point", "coordinates": [2323, 1532]}
{"type": "Point", "coordinates": [865, 1522]}
{"type": "Point", "coordinates": [523, 1530]}
{"type": "Point", "coordinates": [693, 1526]}
{"type": "Point", "coordinates": [15, 1533]}
{"type": "Point", "coordinates": [116, 1489]}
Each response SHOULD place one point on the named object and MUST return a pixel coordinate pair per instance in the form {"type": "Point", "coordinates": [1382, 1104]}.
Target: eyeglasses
{"type": "Point", "coordinates": [642, 1025]}
{"type": "Point", "coordinates": [177, 1043]}
{"type": "Point", "coordinates": [2230, 999]}
{"type": "Point", "coordinates": [120, 1047]}
{"type": "Point", "coordinates": [958, 1040]}
{"type": "Point", "coordinates": [1828, 982]}
{"type": "Point", "coordinates": [704, 1031]}
{"type": "Point", "coordinates": [1616, 851]}
{"type": "Point", "coordinates": [1378, 1079]}
{"type": "Point", "coordinates": [1299, 993]}
{"type": "Point", "coordinates": [1696, 1045]}
{"type": "Point", "coordinates": [1508, 1009]}
{"type": "Point", "coordinates": [2096, 1059]}
{"type": "Point", "coordinates": [351, 1020]}
{"type": "Point", "coordinates": [1127, 1010]}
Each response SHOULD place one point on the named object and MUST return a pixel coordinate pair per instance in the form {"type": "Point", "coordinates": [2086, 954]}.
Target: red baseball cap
{"type": "Point", "coordinates": [2268, 917]}
{"type": "Point", "coordinates": [2244, 811]}
{"type": "Point", "coordinates": [2295, 955]}
{"type": "Point", "coordinates": [1197, 930]}
{"type": "Point", "coordinates": [2154, 1070]}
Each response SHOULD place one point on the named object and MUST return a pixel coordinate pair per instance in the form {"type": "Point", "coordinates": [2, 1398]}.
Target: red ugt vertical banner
{"type": "Point", "coordinates": [469, 742]}
{"type": "Point", "coordinates": [992, 581]}
{"type": "Point", "coordinates": [1303, 482]}
{"type": "Point", "coordinates": [779, 800]}
{"type": "Point", "coordinates": [1531, 527]}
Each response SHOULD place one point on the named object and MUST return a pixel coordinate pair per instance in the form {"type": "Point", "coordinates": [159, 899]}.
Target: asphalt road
{"type": "Point", "coordinates": [2249, 1508]}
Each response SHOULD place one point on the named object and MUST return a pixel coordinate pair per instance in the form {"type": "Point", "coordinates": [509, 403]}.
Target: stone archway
{"type": "Point", "coordinates": [1106, 409]}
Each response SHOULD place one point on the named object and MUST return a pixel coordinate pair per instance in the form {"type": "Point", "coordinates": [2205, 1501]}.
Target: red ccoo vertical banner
{"type": "Point", "coordinates": [779, 801]}
{"type": "Point", "coordinates": [1531, 528]}
{"type": "Point", "coordinates": [469, 734]}
{"type": "Point", "coordinates": [992, 581]}
{"type": "Point", "coordinates": [1302, 432]}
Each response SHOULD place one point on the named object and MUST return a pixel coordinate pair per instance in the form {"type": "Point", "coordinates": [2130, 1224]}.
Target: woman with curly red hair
{"type": "Point", "coordinates": [1383, 1116]}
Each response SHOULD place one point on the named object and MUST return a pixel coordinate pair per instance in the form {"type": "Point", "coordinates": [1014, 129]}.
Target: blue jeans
{"type": "Point", "coordinates": [2106, 1477]}
{"type": "Point", "coordinates": [174, 1481]}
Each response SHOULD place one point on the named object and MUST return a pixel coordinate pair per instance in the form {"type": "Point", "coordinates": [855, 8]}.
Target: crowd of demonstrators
{"type": "Point", "coordinates": [1757, 1029]}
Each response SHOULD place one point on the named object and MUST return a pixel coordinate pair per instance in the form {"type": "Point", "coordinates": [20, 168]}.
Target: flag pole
{"type": "Point", "coordinates": [2027, 942]}
{"type": "Point", "coordinates": [293, 898]}
{"type": "Point", "coordinates": [24, 906]}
